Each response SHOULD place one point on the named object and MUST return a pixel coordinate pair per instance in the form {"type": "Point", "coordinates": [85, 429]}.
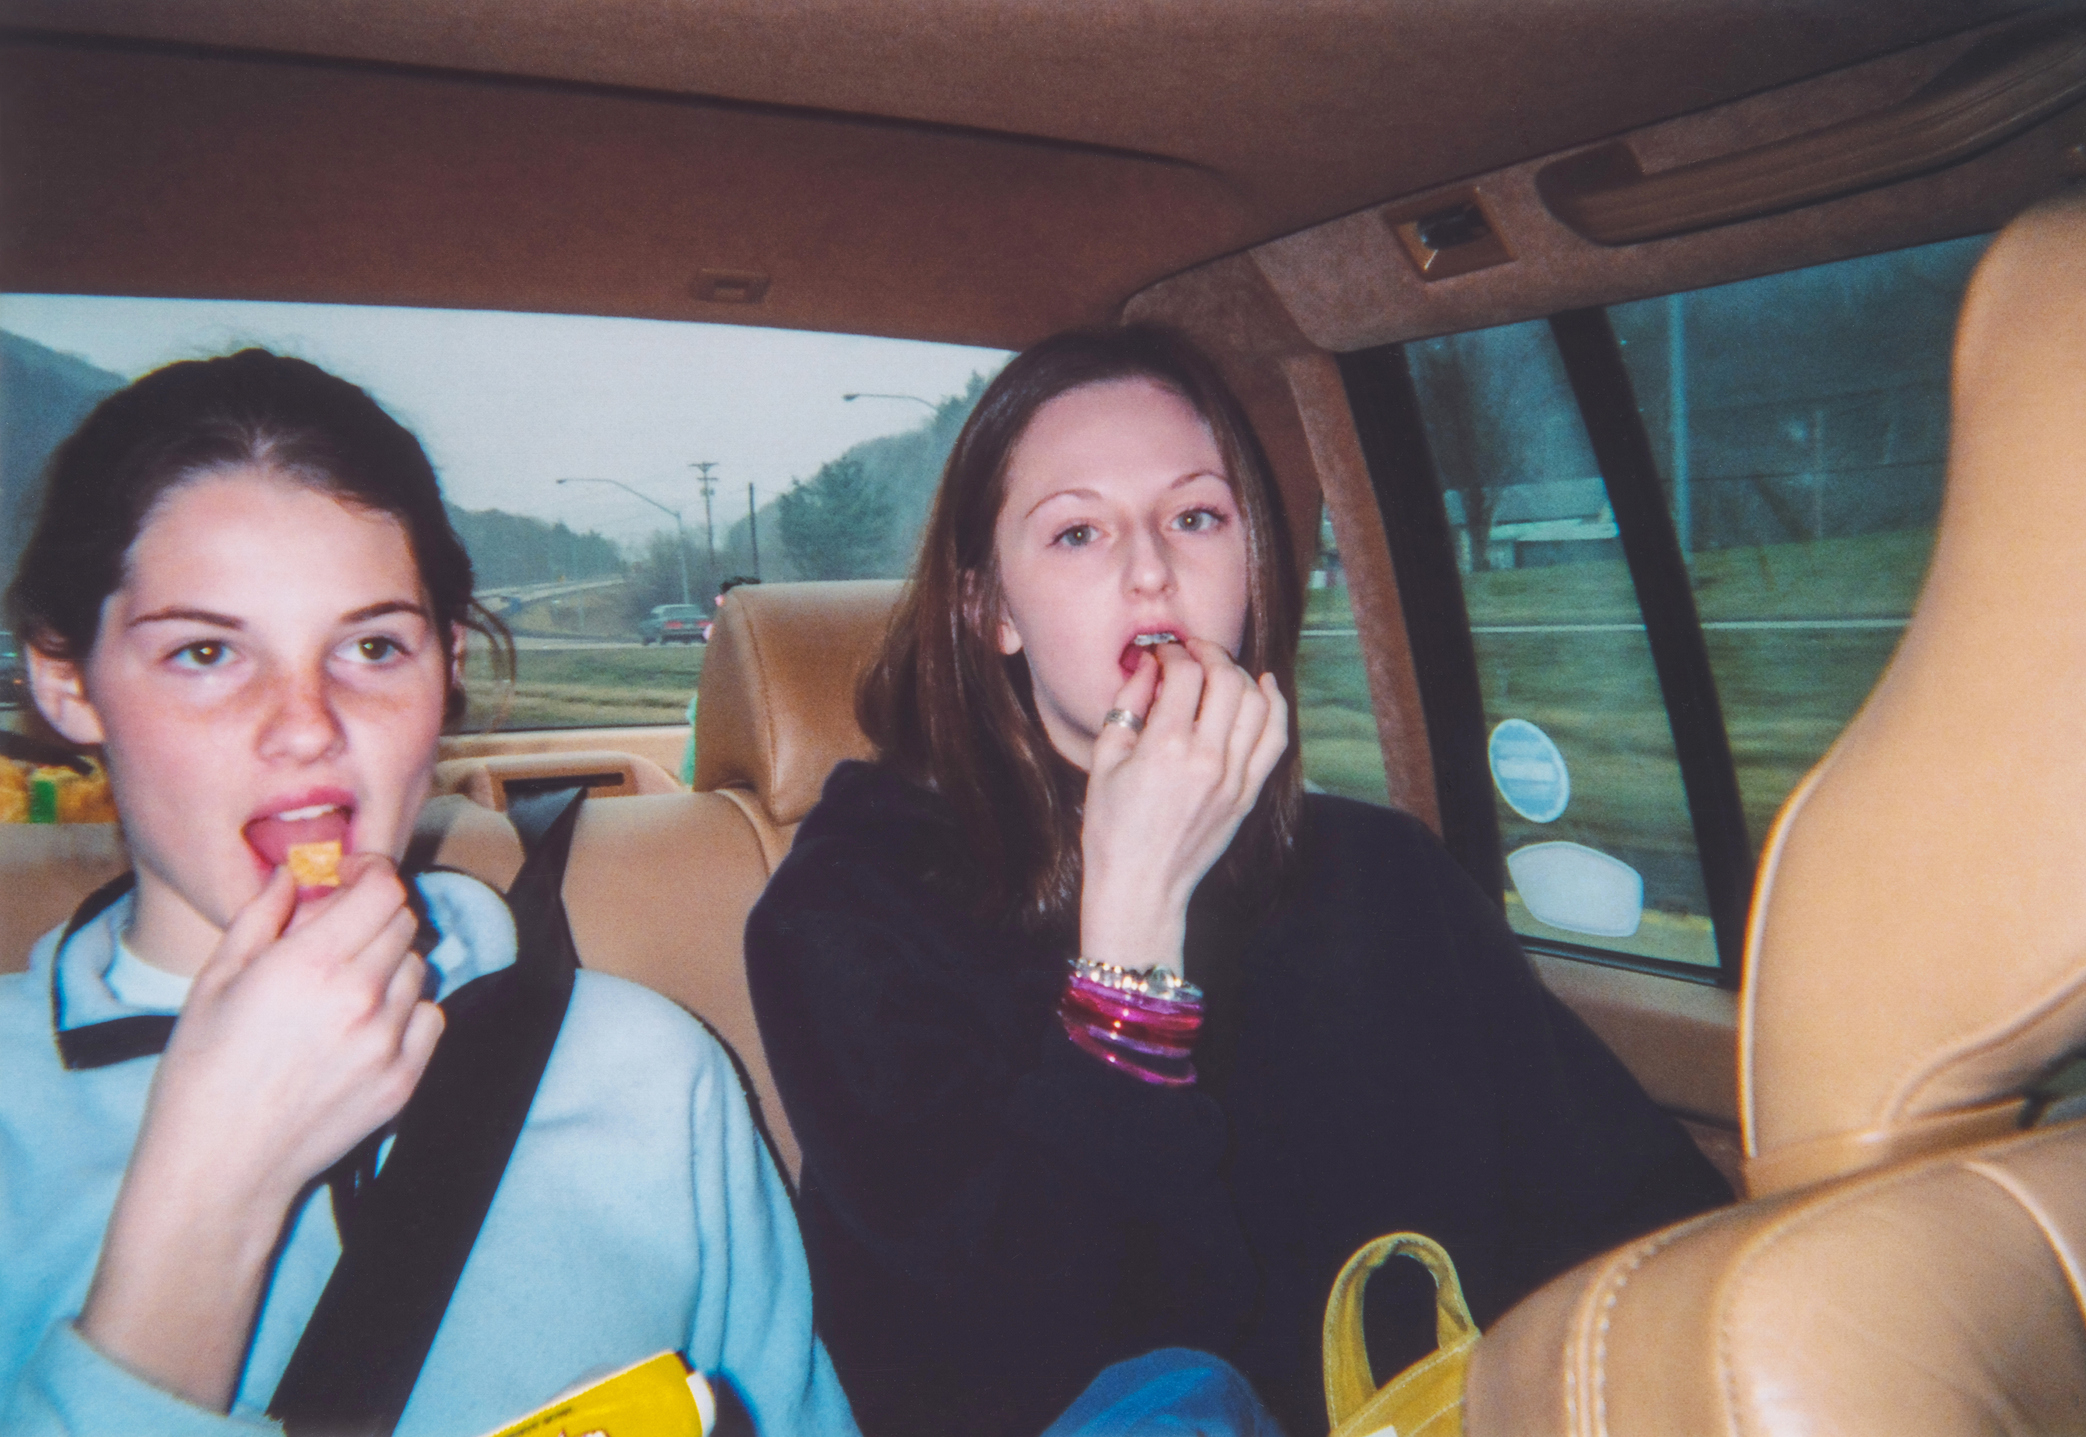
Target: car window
{"type": "Point", "coordinates": [1687, 534]}
{"type": "Point", "coordinates": [605, 474]}
{"type": "Point", "coordinates": [1577, 740]}
{"type": "Point", "coordinates": [840, 440]}
{"type": "Point", "coordinates": [1336, 724]}
{"type": "Point", "coordinates": [1800, 422]}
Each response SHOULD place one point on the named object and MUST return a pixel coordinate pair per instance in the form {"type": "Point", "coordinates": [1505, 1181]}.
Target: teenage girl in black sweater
{"type": "Point", "coordinates": [1097, 1033]}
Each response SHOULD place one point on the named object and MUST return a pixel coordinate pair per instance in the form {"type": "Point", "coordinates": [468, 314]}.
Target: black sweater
{"type": "Point", "coordinates": [992, 1215]}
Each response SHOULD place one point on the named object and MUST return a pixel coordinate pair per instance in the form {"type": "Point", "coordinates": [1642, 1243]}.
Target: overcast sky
{"type": "Point", "coordinates": [509, 403]}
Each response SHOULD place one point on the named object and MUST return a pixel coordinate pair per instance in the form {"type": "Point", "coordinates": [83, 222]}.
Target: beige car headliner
{"type": "Point", "coordinates": [973, 170]}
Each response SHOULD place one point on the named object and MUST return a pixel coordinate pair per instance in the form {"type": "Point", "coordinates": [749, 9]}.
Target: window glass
{"type": "Point", "coordinates": [1336, 724]}
{"type": "Point", "coordinates": [599, 470]}
{"type": "Point", "coordinates": [1599, 842]}
{"type": "Point", "coordinates": [1801, 425]}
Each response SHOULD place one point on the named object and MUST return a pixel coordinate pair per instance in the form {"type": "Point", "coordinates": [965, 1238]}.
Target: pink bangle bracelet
{"type": "Point", "coordinates": [1139, 1024]}
{"type": "Point", "coordinates": [1177, 1024]}
{"type": "Point", "coordinates": [1114, 1059]}
{"type": "Point", "coordinates": [1176, 1029]}
{"type": "Point", "coordinates": [1130, 1043]}
{"type": "Point", "coordinates": [1159, 1044]}
{"type": "Point", "coordinates": [1155, 1007]}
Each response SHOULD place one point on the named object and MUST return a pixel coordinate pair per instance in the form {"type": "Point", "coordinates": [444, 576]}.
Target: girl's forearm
{"type": "Point", "coordinates": [183, 1267]}
{"type": "Point", "coordinates": [1130, 929]}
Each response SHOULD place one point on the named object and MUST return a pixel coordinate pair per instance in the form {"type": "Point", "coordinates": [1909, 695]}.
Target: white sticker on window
{"type": "Point", "coordinates": [1529, 771]}
{"type": "Point", "coordinates": [1579, 889]}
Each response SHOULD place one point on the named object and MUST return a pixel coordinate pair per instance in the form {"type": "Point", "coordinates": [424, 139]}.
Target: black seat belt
{"type": "Point", "coordinates": [407, 1235]}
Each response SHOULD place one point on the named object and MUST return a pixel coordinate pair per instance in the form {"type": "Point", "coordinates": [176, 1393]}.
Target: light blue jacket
{"type": "Point", "coordinates": [640, 1212]}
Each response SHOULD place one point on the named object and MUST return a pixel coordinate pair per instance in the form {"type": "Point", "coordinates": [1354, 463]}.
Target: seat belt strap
{"type": "Point", "coordinates": [410, 1232]}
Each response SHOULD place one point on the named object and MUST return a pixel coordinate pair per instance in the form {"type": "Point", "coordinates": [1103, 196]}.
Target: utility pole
{"type": "Point", "coordinates": [753, 529]}
{"type": "Point", "coordinates": [709, 487]}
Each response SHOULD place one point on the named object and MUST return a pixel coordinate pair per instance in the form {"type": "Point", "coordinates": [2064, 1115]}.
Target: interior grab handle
{"type": "Point", "coordinates": [1989, 95]}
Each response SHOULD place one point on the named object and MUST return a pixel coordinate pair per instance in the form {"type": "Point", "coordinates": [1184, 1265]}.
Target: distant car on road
{"type": "Point", "coordinates": [14, 673]}
{"type": "Point", "coordinates": [674, 624]}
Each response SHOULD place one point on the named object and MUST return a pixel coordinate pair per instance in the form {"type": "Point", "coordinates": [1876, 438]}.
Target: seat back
{"type": "Point", "coordinates": [1914, 1256]}
{"type": "Point", "coordinates": [657, 890]}
{"type": "Point", "coordinates": [777, 704]}
{"type": "Point", "coordinates": [45, 870]}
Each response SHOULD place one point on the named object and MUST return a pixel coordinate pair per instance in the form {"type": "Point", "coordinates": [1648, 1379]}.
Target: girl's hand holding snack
{"type": "Point", "coordinates": [1162, 804]}
{"type": "Point", "coordinates": [305, 1032]}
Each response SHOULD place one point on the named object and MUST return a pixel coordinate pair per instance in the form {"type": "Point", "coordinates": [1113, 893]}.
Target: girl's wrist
{"type": "Point", "coordinates": [195, 1185]}
{"type": "Point", "coordinates": [1138, 946]}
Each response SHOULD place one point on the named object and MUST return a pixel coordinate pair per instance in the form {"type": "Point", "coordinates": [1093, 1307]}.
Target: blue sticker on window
{"type": "Point", "coordinates": [1529, 771]}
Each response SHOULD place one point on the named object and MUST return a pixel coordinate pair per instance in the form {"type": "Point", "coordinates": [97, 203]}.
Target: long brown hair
{"type": "Point", "coordinates": [947, 710]}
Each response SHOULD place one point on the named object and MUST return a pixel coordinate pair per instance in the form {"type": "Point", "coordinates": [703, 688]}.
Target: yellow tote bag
{"type": "Point", "coordinates": [1426, 1399]}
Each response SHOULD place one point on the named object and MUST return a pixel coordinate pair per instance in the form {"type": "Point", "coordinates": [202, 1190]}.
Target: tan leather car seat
{"type": "Point", "coordinates": [46, 869]}
{"type": "Point", "coordinates": [1913, 1257]}
{"type": "Point", "coordinates": [777, 703]}
{"type": "Point", "coordinates": [660, 884]}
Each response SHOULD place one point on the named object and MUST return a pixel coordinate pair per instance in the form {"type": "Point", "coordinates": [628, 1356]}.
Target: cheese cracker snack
{"type": "Point", "coordinates": [315, 865]}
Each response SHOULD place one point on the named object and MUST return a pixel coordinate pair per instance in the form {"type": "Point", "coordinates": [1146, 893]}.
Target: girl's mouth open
{"type": "Point", "coordinates": [1150, 639]}
{"type": "Point", "coordinates": [321, 819]}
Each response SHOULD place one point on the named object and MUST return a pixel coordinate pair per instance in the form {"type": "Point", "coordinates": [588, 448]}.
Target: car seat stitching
{"type": "Point", "coordinates": [1802, 1215]}
{"type": "Point", "coordinates": [1613, 1280]}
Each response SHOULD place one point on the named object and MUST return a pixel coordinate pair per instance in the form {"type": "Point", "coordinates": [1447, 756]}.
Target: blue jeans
{"type": "Point", "coordinates": [1169, 1393]}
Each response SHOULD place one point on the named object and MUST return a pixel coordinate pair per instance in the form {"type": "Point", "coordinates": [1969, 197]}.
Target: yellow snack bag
{"type": "Point", "coordinates": [14, 792]}
{"type": "Point", "coordinates": [84, 797]}
{"type": "Point", "coordinates": [658, 1397]}
{"type": "Point", "coordinates": [54, 793]}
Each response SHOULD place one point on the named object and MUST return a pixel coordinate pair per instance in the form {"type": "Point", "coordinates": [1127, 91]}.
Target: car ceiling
{"type": "Point", "coordinates": [973, 170]}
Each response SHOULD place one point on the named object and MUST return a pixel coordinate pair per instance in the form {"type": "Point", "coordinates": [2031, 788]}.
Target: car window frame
{"type": "Point", "coordinates": [1385, 407]}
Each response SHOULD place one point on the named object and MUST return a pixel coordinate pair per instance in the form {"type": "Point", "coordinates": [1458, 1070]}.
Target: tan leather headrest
{"type": "Point", "coordinates": [776, 706]}
{"type": "Point", "coordinates": [1917, 955]}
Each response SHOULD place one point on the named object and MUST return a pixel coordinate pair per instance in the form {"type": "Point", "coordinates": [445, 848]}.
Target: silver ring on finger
{"type": "Point", "coordinates": [1123, 718]}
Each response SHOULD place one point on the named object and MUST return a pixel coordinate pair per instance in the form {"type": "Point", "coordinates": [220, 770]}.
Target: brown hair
{"type": "Point", "coordinates": [947, 710]}
{"type": "Point", "coordinates": [206, 416]}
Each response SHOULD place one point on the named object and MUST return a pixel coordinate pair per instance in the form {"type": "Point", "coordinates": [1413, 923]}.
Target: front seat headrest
{"type": "Point", "coordinates": [1917, 954]}
{"type": "Point", "coordinates": [775, 708]}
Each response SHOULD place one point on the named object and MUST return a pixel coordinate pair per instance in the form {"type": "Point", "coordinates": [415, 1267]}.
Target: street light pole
{"type": "Point", "coordinates": [753, 530]}
{"type": "Point", "coordinates": [680, 533]}
{"type": "Point", "coordinates": [709, 486]}
{"type": "Point", "coordinates": [851, 398]}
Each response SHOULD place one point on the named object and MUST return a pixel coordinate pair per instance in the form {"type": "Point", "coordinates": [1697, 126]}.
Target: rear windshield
{"type": "Point", "coordinates": [603, 472]}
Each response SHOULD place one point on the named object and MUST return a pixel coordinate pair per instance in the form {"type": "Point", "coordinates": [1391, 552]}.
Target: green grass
{"type": "Point", "coordinates": [1336, 725]}
{"type": "Point", "coordinates": [1868, 576]}
{"type": "Point", "coordinates": [583, 688]}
